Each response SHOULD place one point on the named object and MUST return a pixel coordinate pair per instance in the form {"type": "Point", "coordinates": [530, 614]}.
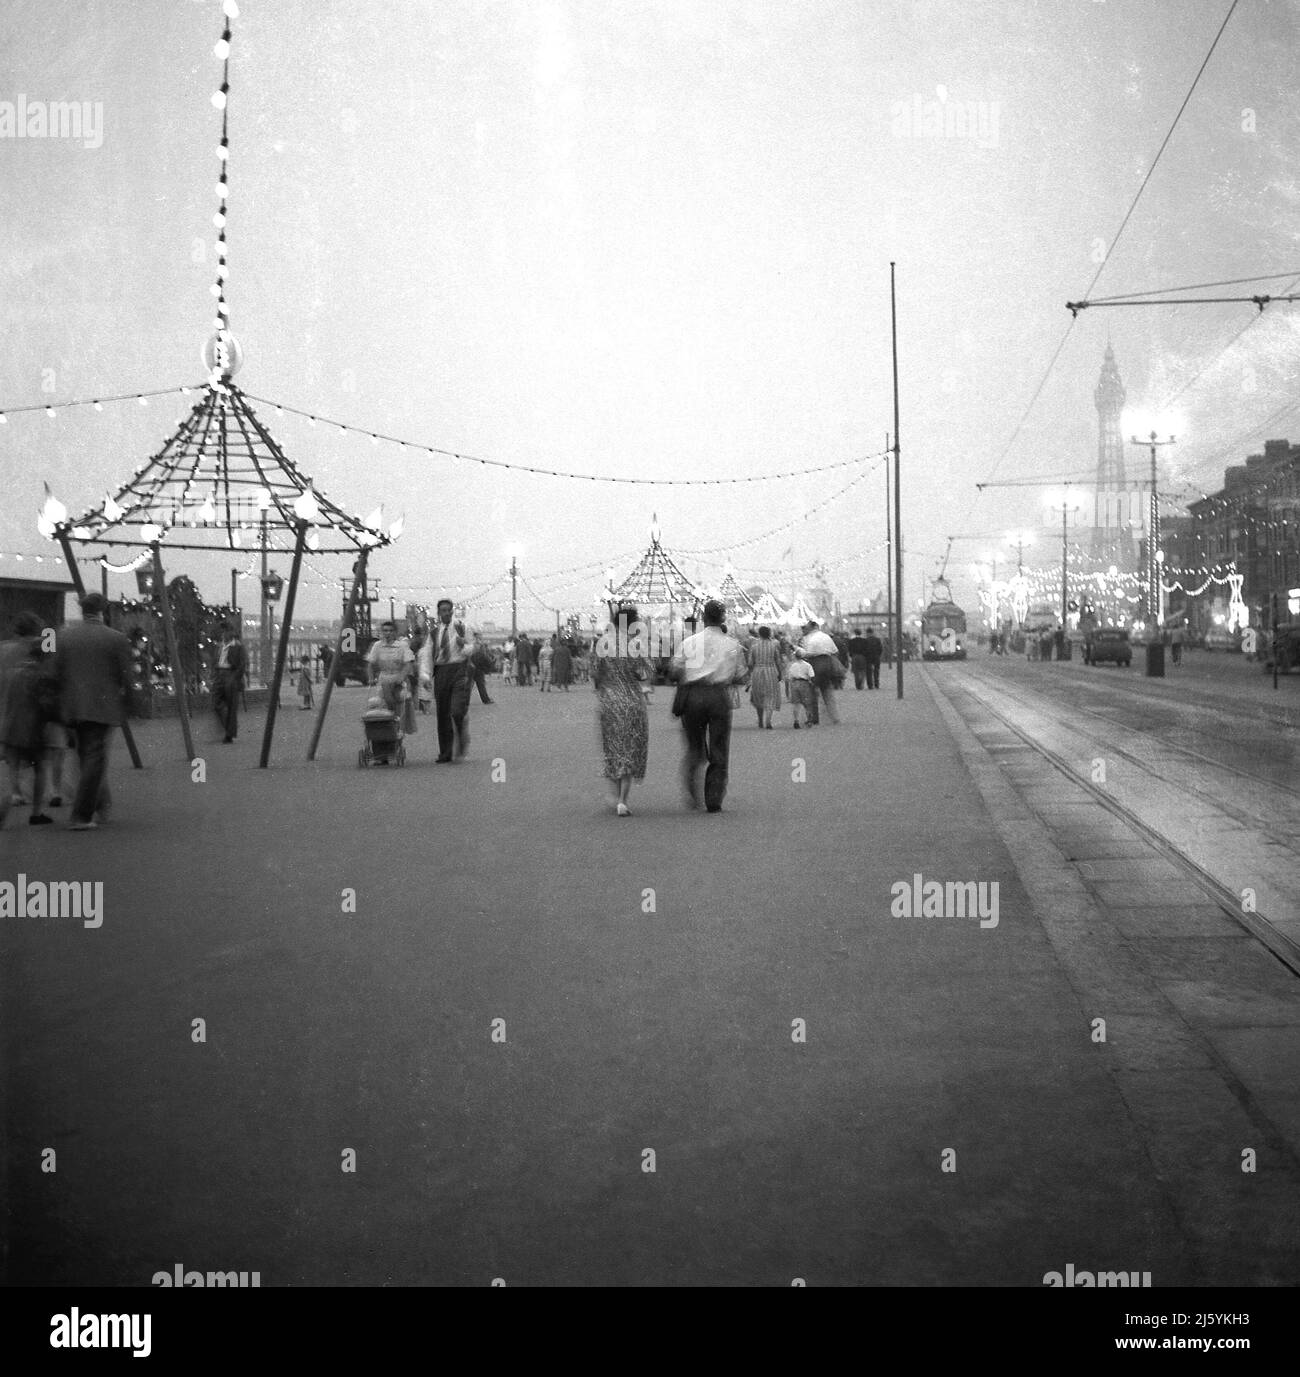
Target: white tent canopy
{"type": "Point", "coordinates": [767, 612]}
{"type": "Point", "coordinates": [800, 614]}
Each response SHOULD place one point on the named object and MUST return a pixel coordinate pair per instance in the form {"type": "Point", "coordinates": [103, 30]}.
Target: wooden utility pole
{"type": "Point", "coordinates": [173, 652]}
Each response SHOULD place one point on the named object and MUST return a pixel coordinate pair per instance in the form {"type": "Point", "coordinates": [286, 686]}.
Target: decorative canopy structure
{"type": "Point", "coordinates": [220, 475]}
{"type": "Point", "coordinates": [219, 479]}
{"type": "Point", "coordinates": [739, 605]}
{"type": "Point", "coordinates": [657, 585]}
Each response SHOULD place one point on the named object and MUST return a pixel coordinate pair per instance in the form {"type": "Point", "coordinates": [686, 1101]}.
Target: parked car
{"type": "Point", "coordinates": [1109, 643]}
{"type": "Point", "coordinates": [1218, 638]}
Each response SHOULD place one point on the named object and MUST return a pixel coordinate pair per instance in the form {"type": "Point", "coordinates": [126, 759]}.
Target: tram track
{"type": "Point", "coordinates": [1283, 832]}
{"type": "Point", "coordinates": [1283, 945]}
{"type": "Point", "coordinates": [1142, 690]}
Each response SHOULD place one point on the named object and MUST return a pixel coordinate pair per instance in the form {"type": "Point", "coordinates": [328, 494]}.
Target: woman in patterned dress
{"type": "Point", "coordinates": [622, 682]}
{"type": "Point", "coordinates": [764, 656]}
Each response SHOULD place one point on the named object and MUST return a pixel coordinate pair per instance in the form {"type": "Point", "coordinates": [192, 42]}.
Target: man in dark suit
{"type": "Point", "coordinates": [93, 665]}
{"type": "Point", "coordinates": [858, 659]}
{"type": "Point", "coordinates": [228, 681]}
{"type": "Point", "coordinates": [875, 649]}
{"type": "Point", "coordinates": [452, 676]}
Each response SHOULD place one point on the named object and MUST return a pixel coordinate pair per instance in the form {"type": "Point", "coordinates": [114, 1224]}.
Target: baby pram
{"type": "Point", "coordinates": [384, 744]}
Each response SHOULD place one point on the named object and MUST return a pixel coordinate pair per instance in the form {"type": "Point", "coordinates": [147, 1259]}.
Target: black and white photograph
{"type": "Point", "coordinates": [650, 644]}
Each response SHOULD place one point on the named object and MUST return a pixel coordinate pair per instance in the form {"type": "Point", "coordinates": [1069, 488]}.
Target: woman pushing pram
{"type": "Point", "coordinates": [392, 675]}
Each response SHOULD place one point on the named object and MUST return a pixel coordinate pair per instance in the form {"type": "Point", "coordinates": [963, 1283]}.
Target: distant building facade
{"type": "Point", "coordinates": [1253, 521]}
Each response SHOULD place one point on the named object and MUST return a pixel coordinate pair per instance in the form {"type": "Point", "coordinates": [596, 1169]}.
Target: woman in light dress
{"type": "Point", "coordinates": [623, 681]}
{"type": "Point", "coordinates": [545, 659]}
{"type": "Point", "coordinates": [765, 667]}
{"type": "Point", "coordinates": [392, 666]}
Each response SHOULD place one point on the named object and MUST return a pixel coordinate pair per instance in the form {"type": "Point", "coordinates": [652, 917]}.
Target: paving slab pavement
{"type": "Point", "coordinates": [649, 973]}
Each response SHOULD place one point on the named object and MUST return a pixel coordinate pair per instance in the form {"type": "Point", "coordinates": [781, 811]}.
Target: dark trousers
{"type": "Point", "coordinates": [481, 685]}
{"type": "Point", "coordinates": [225, 701]}
{"type": "Point", "coordinates": [860, 676]}
{"type": "Point", "coordinates": [824, 687]}
{"type": "Point", "coordinates": [706, 720]}
{"type": "Point", "coordinates": [451, 700]}
{"type": "Point", "coordinates": [92, 755]}
{"type": "Point", "coordinates": [873, 674]}
{"type": "Point", "coordinates": [524, 673]}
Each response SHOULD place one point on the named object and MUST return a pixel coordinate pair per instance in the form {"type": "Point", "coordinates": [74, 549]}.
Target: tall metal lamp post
{"type": "Point", "coordinates": [513, 552]}
{"type": "Point", "coordinates": [1155, 616]}
{"type": "Point", "coordinates": [1067, 504]}
{"type": "Point", "coordinates": [1019, 539]}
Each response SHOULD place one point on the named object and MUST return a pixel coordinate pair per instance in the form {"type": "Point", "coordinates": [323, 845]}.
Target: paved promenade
{"type": "Point", "coordinates": [649, 973]}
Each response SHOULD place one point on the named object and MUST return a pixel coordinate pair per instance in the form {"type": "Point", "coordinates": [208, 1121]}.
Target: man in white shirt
{"type": "Point", "coordinates": [706, 666]}
{"type": "Point", "coordinates": [451, 681]}
{"type": "Point", "coordinates": [820, 651]}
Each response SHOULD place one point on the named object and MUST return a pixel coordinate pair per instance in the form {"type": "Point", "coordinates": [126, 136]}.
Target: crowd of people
{"type": "Point", "coordinates": [710, 670]}
{"type": "Point", "coordinates": [67, 689]}
{"type": "Point", "coordinates": [61, 690]}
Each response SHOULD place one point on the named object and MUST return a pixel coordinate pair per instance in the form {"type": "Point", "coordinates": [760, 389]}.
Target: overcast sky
{"type": "Point", "coordinates": [646, 237]}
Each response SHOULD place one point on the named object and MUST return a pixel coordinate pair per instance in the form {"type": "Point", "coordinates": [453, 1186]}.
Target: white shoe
{"type": "Point", "coordinates": [623, 811]}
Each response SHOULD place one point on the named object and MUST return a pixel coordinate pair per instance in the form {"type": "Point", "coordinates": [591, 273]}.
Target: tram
{"type": "Point", "coordinates": [943, 626]}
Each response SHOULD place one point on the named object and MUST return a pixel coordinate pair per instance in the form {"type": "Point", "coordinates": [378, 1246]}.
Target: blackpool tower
{"type": "Point", "coordinates": [1116, 508]}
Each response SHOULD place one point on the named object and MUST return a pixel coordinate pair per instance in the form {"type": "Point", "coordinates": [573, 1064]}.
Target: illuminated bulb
{"type": "Point", "coordinates": [222, 189]}
{"type": "Point", "coordinates": [235, 538]}
{"type": "Point", "coordinates": [215, 289]}
{"type": "Point", "coordinates": [376, 519]}
{"type": "Point", "coordinates": [219, 219]}
{"type": "Point", "coordinates": [113, 512]}
{"type": "Point", "coordinates": [151, 532]}
{"type": "Point", "coordinates": [263, 499]}
{"type": "Point", "coordinates": [54, 511]}
{"type": "Point", "coordinates": [219, 98]}
{"type": "Point", "coordinates": [221, 48]}
{"type": "Point", "coordinates": [143, 400]}
{"type": "Point", "coordinates": [223, 151]}
{"type": "Point", "coordinates": [49, 411]}
{"type": "Point", "coordinates": [45, 526]}
{"type": "Point", "coordinates": [222, 270]}
{"type": "Point", "coordinates": [313, 541]}
{"type": "Point", "coordinates": [4, 420]}
{"type": "Point", "coordinates": [396, 529]}
{"type": "Point", "coordinates": [305, 506]}
{"type": "Point", "coordinates": [207, 512]}
{"type": "Point", "coordinates": [230, 9]}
